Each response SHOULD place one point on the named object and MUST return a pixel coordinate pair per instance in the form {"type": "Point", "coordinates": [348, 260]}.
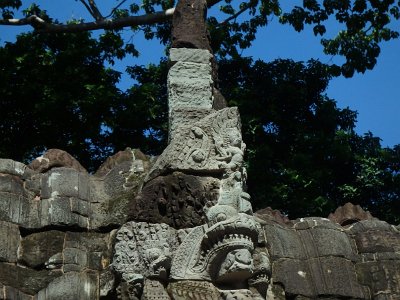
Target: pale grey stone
{"type": "Point", "coordinates": [146, 249]}
{"type": "Point", "coordinates": [181, 117]}
{"type": "Point", "coordinates": [9, 166]}
{"type": "Point", "coordinates": [72, 285]}
{"type": "Point", "coordinates": [190, 55]}
{"type": "Point", "coordinates": [190, 85]}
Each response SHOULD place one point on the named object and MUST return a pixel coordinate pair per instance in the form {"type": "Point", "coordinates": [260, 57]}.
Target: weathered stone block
{"type": "Point", "coordinates": [294, 275]}
{"type": "Point", "coordinates": [284, 242]}
{"type": "Point", "coordinates": [106, 283]}
{"type": "Point", "coordinates": [37, 248]}
{"type": "Point", "coordinates": [82, 286]}
{"type": "Point", "coordinates": [11, 184]}
{"type": "Point", "coordinates": [202, 56]}
{"type": "Point", "coordinates": [116, 178]}
{"type": "Point", "coordinates": [177, 200]}
{"type": "Point", "coordinates": [370, 224]}
{"type": "Point", "coordinates": [185, 117]}
{"type": "Point", "coordinates": [9, 242]}
{"type": "Point", "coordinates": [10, 293]}
{"type": "Point", "coordinates": [312, 222]}
{"type": "Point", "coordinates": [373, 241]}
{"type": "Point", "coordinates": [87, 250]}
{"type": "Point", "coordinates": [326, 242]}
{"type": "Point", "coordinates": [65, 182]}
{"type": "Point", "coordinates": [14, 208]}
{"type": "Point", "coordinates": [190, 85]}
{"type": "Point", "coordinates": [382, 277]}
{"type": "Point", "coordinates": [154, 289]}
{"type": "Point", "coordinates": [80, 207]}
{"type": "Point", "coordinates": [8, 166]}
{"type": "Point", "coordinates": [24, 279]}
{"type": "Point", "coordinates": [33, 184]}
{"type": "Point", "coordinates": [74, 259]}
{"type": "Point", "coordinates": [55, 158]}
{"type": "Point", "coordinates": [318, 277]}
{"type": "Point", "coordinates": [58, 212]}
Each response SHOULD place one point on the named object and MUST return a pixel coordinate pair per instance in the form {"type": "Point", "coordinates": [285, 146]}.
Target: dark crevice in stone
{"type": "Point", "coordinates": [108, 228]}
{"type": "Point", "coordinates": [28, 231]}
{"type": "Point", "coordinates": [104, 229]}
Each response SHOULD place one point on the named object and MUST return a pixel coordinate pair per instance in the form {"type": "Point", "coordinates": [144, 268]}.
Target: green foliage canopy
{"type": "Point", "coordinates": [363, 24]}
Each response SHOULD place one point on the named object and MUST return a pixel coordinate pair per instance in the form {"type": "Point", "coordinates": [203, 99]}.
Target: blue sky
{"type": "Point", "coordinates": [374, 95]}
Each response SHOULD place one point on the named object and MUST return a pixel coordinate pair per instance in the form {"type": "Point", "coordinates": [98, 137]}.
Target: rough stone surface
{"type": "Point", "coordinates": [177, 200]}
{"type": "Point", "coordinates": [190, 85]}
{"type": "Point", "coordinates": [72, 286]}
{"type": "Point", "coordinates": [349, 214]}
{"type": "Point", "coordinates": [145, 249]}
{"type": "Point", "coordinates": [269, 214]}
{"type": "Point", "coordinates": [183, 117]}
{"type": "Point", "coordinates": [36, 249]}
{"type": "Point", "coordinates": [135, 157]}
{"type": "Point", "coordinates": [11, 167]}
{"type": "Point", "coordinates": [8, 292]}
{"type": "Point", "coordinates": [10, 239]}
{"type": "Point", "coordinates": [55, 158]}
{"type": "Point", "coordinates": [26, 280]}
{"type": "Point", "coordinates": [200, 56]}
{"type": "Point", "coordinates": [193, 290]}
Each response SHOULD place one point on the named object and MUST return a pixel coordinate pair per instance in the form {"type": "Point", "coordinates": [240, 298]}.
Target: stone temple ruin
{"type": "Point", "coordinates": [180, 226]}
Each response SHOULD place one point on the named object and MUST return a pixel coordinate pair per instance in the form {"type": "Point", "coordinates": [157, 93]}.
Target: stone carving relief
{"type": "Point", "coordinates": [144, 249]}
{"type": "Point", "coordinates": [208, 146]}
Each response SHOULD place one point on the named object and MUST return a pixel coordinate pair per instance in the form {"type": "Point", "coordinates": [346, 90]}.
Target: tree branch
{"type": "Point", "coordinates": [211, 3]}
{"type": "Point", "coordinates": [115, 8]}
{"type": "Point", "coordinates": [41, 26]}
{"type": "Point", "coordinates": [235, 15]}
{"type": "Point", "coordinates": [87, 8]}
{"type": "Point", "coordinates": [97, 14]}
{"type": "Point", "coordinates": [34, 21]}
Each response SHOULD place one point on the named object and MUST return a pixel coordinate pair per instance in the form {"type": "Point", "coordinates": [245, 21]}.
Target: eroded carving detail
{"type": "Point", "coordinates": [207, 146]}
{"type": "Point", "coordinates": [144, 250]}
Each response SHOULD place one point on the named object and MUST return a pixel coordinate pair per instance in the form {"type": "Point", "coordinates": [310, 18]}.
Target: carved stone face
{"type": "Point", "coordinates": [237, 267]}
